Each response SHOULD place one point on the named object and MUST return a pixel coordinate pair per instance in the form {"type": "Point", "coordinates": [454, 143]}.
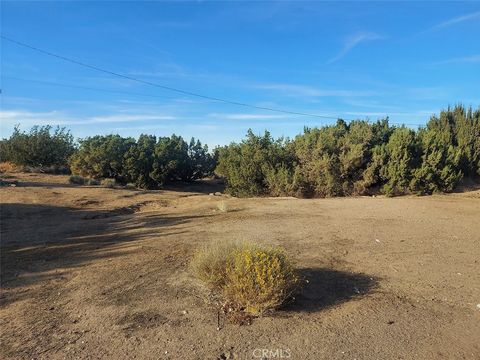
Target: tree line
{"type": "Point", "coordinates": [148, 162]}
{"type": "Point", "coordinates": [336, 160]}
{"type": "Point", "coordinates": [357, 158]}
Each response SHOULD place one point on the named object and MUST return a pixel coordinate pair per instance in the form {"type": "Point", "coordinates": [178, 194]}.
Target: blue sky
{"type": "Point", "coordinates": [361, 60]}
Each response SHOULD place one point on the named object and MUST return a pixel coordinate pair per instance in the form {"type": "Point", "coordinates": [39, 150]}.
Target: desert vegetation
{"type": "Point", "coordinates": [343, 159]}
{"type": "Point", "coordinates": [91, 272]}
{"type": "Point", "coordinates": [146, 162]}
{"type": "Point", "coordinates": [357, 158]}
{"type": "Point", "coordinates": [250, 278]}
{"type": "Point", "coordinates": [40, 148]}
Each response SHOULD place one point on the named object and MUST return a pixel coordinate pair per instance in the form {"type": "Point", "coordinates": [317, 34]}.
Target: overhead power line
{"type": "Point", "coordinates": [51, 83]}
{"type": "Point", "coordinates": [180, 91]}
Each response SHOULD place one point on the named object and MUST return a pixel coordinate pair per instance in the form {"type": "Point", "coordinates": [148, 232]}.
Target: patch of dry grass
{"type": "Point", "coordinates": [108, 183]}
{"type": "Point", "coordinates": [251, 278]}
{"type": "Point", "coordinates": [7, 166]}
{"type": "Point", "coordinates": [222, 206]}
{"type": "Point", "coordinates": [259, 279]}
{"type": "Point", "coordinates": [210, 262]}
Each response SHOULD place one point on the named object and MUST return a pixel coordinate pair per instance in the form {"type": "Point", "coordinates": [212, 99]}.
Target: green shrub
{"type": "Point", "coordinates": [147, 163]}
{"type": "Point", "coordinates": [450, 150]}
{"type": "Point", "coordinates": [402, 152]}
{"type": "Point", "coordinates": [101, 156]}
{"type": "Point", "coordinates": [336, 160]}
{"type": "Point", "coordinates": [252, 279]}
{"type": "Point", "coordinates": [248, 167]}
{"type": "Point", "coordinates": [138, 162]}
{"type": "Point", "coordinates": [439, 170]}
{"type": "Point", "coordinates": [39, 148]}
{"type": "Point", "coordinates": [357, 158]}
{"type": "Point", "coordinates": [284, 181]}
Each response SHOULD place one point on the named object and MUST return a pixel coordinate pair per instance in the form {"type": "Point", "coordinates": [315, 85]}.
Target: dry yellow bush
{"type": "Point", "coordinates": [210, 263]}
{"type": "Point", "coordinates": [7, 166]}
{"type": "Point", "coordinates": [259, 279]}
{"type": "Point", "coordinates": [252, 279]}
{"type": "Point", "coordinates": [108, 183]}
{"type": "Point", "coordinates": [222, 206]}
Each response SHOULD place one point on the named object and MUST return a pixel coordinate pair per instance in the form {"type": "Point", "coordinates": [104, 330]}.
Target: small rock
{"type": "Point", "coordinates": [218, 194]}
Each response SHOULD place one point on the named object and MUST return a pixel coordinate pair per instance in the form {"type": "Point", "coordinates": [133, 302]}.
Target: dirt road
{"type": "Point", "coordinates": [90, 272]}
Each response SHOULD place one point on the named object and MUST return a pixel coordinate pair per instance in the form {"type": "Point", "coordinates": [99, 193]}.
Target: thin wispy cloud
{"type": "Point", "coordinates": [28, 118]}
{"type": "Point", "coordinates": [353, 41]}
{"type": "Point", "coordinates": [380, 114]}
{"type": "Point", "coordinates": [460, 60]}
{"type": "Point", "coordinates": [243, 116]}
{"type": "Point", "coordinates": [162, 70]}
{"type": "Point", "coordinates": [127, 118]}
{"type": "Point", "coordinates": [456, 20]}
{"type": "Point", "coordinates": [310, 91]}
{"type": "Point", "coordinates": [429, 92]}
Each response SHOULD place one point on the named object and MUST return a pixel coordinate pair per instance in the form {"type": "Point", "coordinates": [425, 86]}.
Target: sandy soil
{"type": "Point", "coordinates": [89, 273]}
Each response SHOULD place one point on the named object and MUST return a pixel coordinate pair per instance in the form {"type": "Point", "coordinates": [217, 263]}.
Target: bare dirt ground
{"type": "Point", "coordinates": [89, 273]}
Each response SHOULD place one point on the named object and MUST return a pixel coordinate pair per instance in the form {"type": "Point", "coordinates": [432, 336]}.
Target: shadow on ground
{"type": "Point", "coordinates": [37, 240]}
{"type": "Point", "coordinates": [206, 186]}
{"type": "Point", "coordinates": [325, 287]}
{"type": "Point", "coordinates": [202, 186]}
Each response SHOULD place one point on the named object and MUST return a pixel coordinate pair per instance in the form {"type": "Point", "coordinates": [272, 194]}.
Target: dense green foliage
{"type": "Point", "coordinates": [146, 162]}
{"type": "Point", "coordinates": [101, 157]}
{"type": "Point", "coordinates": [337, 160]}
{"type": "Point", "coordinates": [40, 147]}
{"type": "Point", "coordinates": [357, 158]}
{"type": "Point", "coordinates": [256, 166]}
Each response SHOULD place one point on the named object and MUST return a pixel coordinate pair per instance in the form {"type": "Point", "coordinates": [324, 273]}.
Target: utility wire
{"type": "Point", "coordinates": [96, 68]}
{"type": "Point", "coordinates": [184, 92]}
{"type": "Point", "coordinates": [51, 83]}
